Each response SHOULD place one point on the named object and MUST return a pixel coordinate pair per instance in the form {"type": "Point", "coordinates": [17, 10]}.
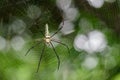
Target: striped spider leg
{"type": "Point", "coordinates": [48, 40]}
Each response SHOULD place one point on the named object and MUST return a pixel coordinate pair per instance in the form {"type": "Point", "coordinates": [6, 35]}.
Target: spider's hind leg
{"type": "Point", "coordinates": [41, 57]}
{"type": "Point", "coordinates": [32, 47]}
{"type": "Point", "coordinates": [56, 55]}
{"type": "Point", "coordinates": [62, 44]}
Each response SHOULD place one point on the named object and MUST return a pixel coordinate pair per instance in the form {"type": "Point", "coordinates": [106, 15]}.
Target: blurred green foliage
{"type": "Point", "coordinates": [15, 66]}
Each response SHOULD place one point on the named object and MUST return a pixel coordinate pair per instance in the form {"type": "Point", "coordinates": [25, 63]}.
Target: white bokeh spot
{"type": "Point", "coordinates": [63, 4]}
{"type": "Point", "coordinates": [79, 42]}
{"type": "Point", "coordinates": [33, 12]}
{"type": "Point", "coordinates": [94, 42]}
{"type": "Point", "coordinates": [68, 27]}
{"type": "Point", "coordinates": [18, 26]}
{"type": "Point", "coordinates": [97, 41]}
{"type": "Point", "coordinates": [110, 1]}
{"type": "Point", "coordinates": [71, 14]}
{"type": "Point", "coordinates": [2, 43]}
{"type": "Point", "coordinates": [96, 3]}
{"type": "Point", "coordinates": [90, 62]}
{"type": "Point", "coordinates": [17, 43]}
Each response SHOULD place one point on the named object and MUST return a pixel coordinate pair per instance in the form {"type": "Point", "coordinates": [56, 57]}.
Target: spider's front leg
{"type": "Point", "coordinates": [58, 29]}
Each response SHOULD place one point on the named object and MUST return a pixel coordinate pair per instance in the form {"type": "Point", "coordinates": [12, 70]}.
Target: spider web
{"type": "Point", "coordinates": [11, 8]}
{"type": "Point", "coordinates": [109, 15]}
{"type": "Point", "coordinates": [49, 60]}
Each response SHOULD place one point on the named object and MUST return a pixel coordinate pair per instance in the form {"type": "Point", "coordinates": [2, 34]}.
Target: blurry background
{"type": "Point", "coordinates": [91, 30]}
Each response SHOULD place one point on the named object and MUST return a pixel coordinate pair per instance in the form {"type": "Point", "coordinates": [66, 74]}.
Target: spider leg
{"type": "Point", "coordinates": [32, 48]}
{"type": "Point", "coordinates": [62, 44]}
{"type": "Point", "coordinates": [56, 55]}
{"type": "Point", "coordinates": [41, 57]}
{"type": "Point", "coordinates": [58, 29]}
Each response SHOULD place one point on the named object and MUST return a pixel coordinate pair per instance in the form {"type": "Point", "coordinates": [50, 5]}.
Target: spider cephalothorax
{"type": "Point", "coordinates": [48, 40]}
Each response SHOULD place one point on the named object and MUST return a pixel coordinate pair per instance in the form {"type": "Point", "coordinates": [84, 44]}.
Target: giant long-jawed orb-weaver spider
{"type": "Point", "coordinates": [48, 40]}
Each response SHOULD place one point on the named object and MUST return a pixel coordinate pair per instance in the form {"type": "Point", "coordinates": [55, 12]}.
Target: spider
{"type": "Point", "coordinates": [48, 39]}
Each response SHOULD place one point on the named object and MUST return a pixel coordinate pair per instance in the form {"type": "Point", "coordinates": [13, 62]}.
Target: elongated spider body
{"type": "Point", "coordinates": [48, 40]}
{"type": "Point", "coordinates": [47, 35]}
